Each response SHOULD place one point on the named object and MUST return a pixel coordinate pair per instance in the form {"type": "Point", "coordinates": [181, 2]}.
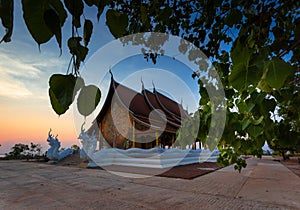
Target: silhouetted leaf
{"type": "Point", "coordinates": [88, 99]}
{"type": "Point", "coordinates": [75, 7]}
{"type": "Point", "coordinates": [117, 23]}
{"type": "Point", "coordinates": [87, 31]}
{"type": "Point", "coordinates": [34, 16]}
{"type": "Point", "coordinates": [51, 19]}
{"type": "Point", "coordinates": [77, 50]}
{"type": "Point", "coordinates": [7, 18]}
{"type": "Point", "coordinates": [234, 17]}
{"type": "Point", "coordinates": [101, 5]}
{"type": "Point", "coordinates": [62, 91]}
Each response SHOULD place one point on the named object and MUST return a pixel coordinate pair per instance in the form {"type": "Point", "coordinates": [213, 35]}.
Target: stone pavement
{"type": "Point", "coordinates": [264, 184]}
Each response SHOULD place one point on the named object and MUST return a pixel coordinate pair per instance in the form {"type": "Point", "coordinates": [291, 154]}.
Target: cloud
{"type": "Point", "coordinates": [21, 77]}
{"type": "Point", "coordinates": [12, 88]}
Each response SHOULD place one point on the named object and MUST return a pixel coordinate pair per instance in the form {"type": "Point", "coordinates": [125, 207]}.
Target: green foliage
{"type": "Point", "coordinates": [44, 18]}
{"type": "Point", "coordinates": [276, 72]}
{"type": "Point", "coordinates": [63, 89]}
{"type": "Point", "coordinates": [187, 134]}
{"type": "Point", "coordinates": [117, 23]}
{"type": "Point", "coordinates": [228, 157]}
{"type": "Point", "coordinates": [88, 99]}
{"type": "Point", "coordinates": [78, 51]}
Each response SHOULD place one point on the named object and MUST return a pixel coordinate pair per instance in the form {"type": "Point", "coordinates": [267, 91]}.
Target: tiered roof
{"type": "Point", "coordinates": [165, 113]}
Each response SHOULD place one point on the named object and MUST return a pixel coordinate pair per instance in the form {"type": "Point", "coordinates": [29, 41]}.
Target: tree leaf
{"type": "Point", "coordinates": [144, 16]}
{"type": "Point", "coordinates": [242, 106]}
{"type": "Point", "coordinates": [101, 5]}
{"type": "Point", "coordinates": [242, 76]}
{"type": "Point", "coordinates": [34, 16]}
{"type": "Point", "coordinates": [87, 31]}
{"type": "Point", "coordinates": [75, 7]}
{"type": "Point", "coordinates": [52, 21]}
{"type": "Point", "coordinates": [88, 99]}
{"type": "Point", "coordinates": [234, 17]}
{"type": "Point", "coordinates": [89, 2]}
{"type": "Point", "coordinates": [258, 121]}
{"type": "Point", "coordinates": [255, 130]}
{"type": "Point", "coordinates": [77, 49]}
{"type": "Point", "coordinates": [117, 23]}
{"type": "Point", "coordinates": [7, 18]}
{"type": "Point", "coordinates": [263, 85]}
{"type": "Point", "coordinates": [277, 71]}
{"type": "Point", "coordinates": [247, 68]}
{"type": "Point", "coordinates": [62, 91]}
{"type": "Point", "coordinates": [245, 123]}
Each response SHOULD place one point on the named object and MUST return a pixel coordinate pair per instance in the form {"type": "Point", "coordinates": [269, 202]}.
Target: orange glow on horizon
{"type": "Point", "coordinates": [31, 122]}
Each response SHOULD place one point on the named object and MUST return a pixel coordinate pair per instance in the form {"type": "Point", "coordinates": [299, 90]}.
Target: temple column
{"type": "Point", "coordinates": [173, 139]}
{"type": "Point", "coordinates": [115, 139]}
{"type": "Point", "coordinates": [156, 139]}
{"type": "Point", "coordinates": [133, 133]}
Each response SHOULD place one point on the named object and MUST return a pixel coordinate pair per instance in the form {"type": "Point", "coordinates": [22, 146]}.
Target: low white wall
{"type": "Point", "coordinates": [151, 158]}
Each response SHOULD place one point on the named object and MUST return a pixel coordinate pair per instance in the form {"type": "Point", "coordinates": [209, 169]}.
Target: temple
{"type": "Point", "coordinates": [130, 119]}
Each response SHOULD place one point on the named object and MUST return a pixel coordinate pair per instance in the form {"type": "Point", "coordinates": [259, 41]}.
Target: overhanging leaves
{"type": "Point", "coordinates": [51, 19]}
{"type": "Point", "coordinates": [277, 71]}
{"type": "Point", "coordinates": [117, 23]}
{"type": "Point", "coordinates": [255, 130]}
{"type": "Point", "coordinates": [38, 17]}
{"type": "Point", "coordinates": [234, 17]}
{"type": "Point", "coordinates": [75, 7]}
{"type": "Point", "coordinates": [88, 99]}
{"type": "Point", "coordinates": [62, 91]}
{"type": "Point", "coordinates": [77, 50]}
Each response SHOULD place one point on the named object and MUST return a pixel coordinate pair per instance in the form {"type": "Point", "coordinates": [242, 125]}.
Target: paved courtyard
{"type": "Point", "coordinates": [264, 184]}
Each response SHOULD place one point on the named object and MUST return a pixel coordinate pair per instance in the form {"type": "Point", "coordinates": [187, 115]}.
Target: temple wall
{"type": "Point", "coordinates": [115, 125]}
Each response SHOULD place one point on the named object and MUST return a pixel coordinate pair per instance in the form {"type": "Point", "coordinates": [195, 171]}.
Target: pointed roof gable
{"type": "Point", "coordinates": [141, 105]}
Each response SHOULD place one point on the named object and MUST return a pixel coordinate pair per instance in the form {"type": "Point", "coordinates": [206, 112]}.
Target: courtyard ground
{"type": "Point", "coordinates": [264, 184]}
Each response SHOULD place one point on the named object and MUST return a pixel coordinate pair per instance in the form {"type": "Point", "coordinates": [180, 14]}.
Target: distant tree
{"type": "Point", "coordinates": [286, 140]}
{"type": "Point", "coordinates": [24, 151]}
{"type": "Point", "coordinates": [75, 147]}
{"type": "Point", "coordinates": [17, 151]}
{"type": "Point", "coordinates": [35, 149]}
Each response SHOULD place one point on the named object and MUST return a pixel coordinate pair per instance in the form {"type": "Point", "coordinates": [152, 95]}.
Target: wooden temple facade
{"type": "Point", "coordinates": [130, 119]}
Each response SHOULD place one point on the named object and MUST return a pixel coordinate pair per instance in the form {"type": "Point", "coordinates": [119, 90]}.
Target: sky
{"type": "Point", "coordinates": [25, 109]}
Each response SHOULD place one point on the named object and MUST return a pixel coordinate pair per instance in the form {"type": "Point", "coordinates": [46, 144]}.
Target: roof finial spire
{"type": "Point", "coordinates": [111, 74]}
{"type": "Point", "coordinates": [153, 85]}
{"type": "Point", "coordinates": [142, 83]}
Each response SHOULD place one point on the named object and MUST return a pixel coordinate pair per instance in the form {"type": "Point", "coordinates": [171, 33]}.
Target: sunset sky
{"type": "Point", "coordinates": [25, 109]}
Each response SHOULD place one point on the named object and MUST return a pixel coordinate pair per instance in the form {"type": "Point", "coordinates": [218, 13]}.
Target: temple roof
{"type": "Point", "coordinates": [164, 112]}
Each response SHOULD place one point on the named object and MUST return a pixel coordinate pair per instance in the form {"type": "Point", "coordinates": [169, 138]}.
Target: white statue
{"type": "Point", "coordinates": [89, 143]}
{"type": "Point", "coordinates": [53, 153]}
